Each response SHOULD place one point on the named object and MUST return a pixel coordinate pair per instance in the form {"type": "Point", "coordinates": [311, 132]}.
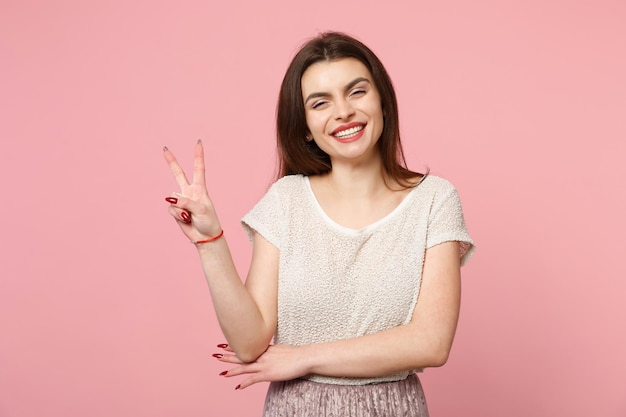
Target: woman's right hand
{"type": "Point", "coordinates": [192, 208]}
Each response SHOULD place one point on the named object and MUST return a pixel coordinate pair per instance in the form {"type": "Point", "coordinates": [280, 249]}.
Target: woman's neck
{"type": "Point", "coordinates": [357, 180]}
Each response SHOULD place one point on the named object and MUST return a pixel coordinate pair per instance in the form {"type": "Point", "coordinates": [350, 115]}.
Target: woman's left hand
{"type": "Point", "coordinates": [277, 363]}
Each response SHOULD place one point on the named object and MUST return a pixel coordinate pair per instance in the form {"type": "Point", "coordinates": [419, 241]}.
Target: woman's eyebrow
{"type": "Point", "coordinates": [348, 86]}
{"type": "Point", "coordinates": [355, 82]}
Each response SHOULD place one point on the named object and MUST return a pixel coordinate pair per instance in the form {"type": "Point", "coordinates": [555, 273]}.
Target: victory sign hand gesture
{"type": "Point", "coordinates": [191, 207]}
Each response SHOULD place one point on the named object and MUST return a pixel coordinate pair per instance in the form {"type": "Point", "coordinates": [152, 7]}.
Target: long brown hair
{"type": "Point", "coordinates": [299, 156]}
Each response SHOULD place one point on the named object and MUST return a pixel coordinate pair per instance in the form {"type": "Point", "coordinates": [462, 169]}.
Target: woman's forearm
{"type": "Point", "coordinates": [248, 333]}
{"type": "Point", "coordinates": [380, 354]}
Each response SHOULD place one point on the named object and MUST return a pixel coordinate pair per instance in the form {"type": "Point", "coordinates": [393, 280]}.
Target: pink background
{"type": "Point", "coordinates": [103, 307]}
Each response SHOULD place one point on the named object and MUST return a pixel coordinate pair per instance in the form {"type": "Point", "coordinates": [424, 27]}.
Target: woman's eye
{"type": "Point", "coordinates": [318, 104]}
{"type": "Point", "coordinates": [357, 91]}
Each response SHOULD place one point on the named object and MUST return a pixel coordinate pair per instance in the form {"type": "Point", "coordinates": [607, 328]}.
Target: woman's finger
{"type": "Point", "coordinates": [225, 346]}
{"type": "Point", "coordinates": [181, 215]}
{"type": "Point", "coordinates": [184, 203]}
{"type": "Point", "coordinates": [253, 379]}
{"type": "Point", "coordinates": [228, 358]}
{"type": "Point", "coordinates": [198, 164]}
{"type": "Point", "coordinates": [177, 171]}
{"type": "Point", "coordinates": [245, 369]}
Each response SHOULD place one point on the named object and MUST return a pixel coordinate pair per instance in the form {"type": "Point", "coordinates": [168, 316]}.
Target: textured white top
{"type": "Point", "coordinates": [336, 283]}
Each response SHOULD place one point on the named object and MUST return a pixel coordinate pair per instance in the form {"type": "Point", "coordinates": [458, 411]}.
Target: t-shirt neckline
{"type": "Point", "coordinates": [370, 227]}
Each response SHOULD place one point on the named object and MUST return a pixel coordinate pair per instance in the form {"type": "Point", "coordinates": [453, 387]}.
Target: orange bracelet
{"type": "Point", "coordinates": [211, 239]}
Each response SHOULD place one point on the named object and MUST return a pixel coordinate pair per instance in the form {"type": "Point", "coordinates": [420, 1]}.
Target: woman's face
{"type": "Point", "coordinates": [343, 109]}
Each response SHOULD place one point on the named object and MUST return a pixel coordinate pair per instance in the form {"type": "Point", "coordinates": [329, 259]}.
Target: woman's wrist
{"type": "Point", "coordinates": [308, 358]}
{"type": "Point", "coordinates": [209, 239]}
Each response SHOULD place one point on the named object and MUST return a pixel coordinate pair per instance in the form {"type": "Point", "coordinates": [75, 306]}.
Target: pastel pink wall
{"type": "Point", "coordinates": [103, 308]}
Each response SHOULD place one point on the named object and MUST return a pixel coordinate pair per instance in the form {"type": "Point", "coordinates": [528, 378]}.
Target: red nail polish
{"type": "Point", "coordinates": [172, 200]}
{"type": "Point", "coordinates": [223, 373]}
{"type": "Point", "coordinates": [222, 345]}
{"type": "Point", "coordinates": [185, 216]}
{"type": "Point", "coordinates": [217, 355]}
{"type": "Point", "coordinates": [238, 386]}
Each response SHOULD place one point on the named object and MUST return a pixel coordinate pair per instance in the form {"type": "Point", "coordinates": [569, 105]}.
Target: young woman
{"type": "Point", "coordinates": [355, 272]}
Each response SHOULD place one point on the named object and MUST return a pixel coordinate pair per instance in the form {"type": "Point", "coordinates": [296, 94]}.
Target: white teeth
{"type": "Point", "coordinates": [348, 132]}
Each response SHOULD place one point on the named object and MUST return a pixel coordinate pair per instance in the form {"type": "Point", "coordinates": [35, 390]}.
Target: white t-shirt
{"type": "Point", "coordinates": [337, 283]}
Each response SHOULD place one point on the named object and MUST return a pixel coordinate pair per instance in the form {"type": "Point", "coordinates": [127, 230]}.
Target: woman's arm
{"type": "Point", "coordinates": [424, 342]}
{"type": "Point", "coordinates": [246, 313]}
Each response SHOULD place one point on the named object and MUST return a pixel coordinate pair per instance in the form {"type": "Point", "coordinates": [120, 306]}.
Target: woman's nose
{"type": "Point", "coordinates": [343, 109]}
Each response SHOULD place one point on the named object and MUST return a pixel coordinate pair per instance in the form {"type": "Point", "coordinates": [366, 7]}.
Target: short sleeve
{"type": "Point", "coordinates": [267, 217]}
{"type": "Point", "coordinates": [446, 224]}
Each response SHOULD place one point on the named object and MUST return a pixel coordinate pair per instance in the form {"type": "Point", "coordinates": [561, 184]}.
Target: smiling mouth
{"type": "Point", "coordinates": [348, 133]}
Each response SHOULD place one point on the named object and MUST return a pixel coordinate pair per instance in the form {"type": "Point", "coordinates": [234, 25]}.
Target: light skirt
{"type": "Point", "coordinates": [302, 398]}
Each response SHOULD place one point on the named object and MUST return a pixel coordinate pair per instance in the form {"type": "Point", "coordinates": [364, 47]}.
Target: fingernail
{"type": "Point", "coordinates": [171, 200]}
{"type": "Point", "coordinates": [165, 148]}
{"type": "Point", "coordinates": [223, 373]}
{"type": "Point", "coordinates": [217, 355]}
{"type": "Point", "coordinates": [185, 216]}
{"type": "Point", "coordinates": [238, 386]}
{"type": "Point", "coordinates": [199, 141]}
{"type": "Point", "coordinates": [222, 345]}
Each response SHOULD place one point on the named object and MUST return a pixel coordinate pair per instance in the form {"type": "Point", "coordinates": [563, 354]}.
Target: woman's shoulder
{"type": "Point", "coordinates": [435, 184]}
{"type": "Point", "coordinates": [287, 188]}
{"type": "Point", "coordinates": [289, 183]}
